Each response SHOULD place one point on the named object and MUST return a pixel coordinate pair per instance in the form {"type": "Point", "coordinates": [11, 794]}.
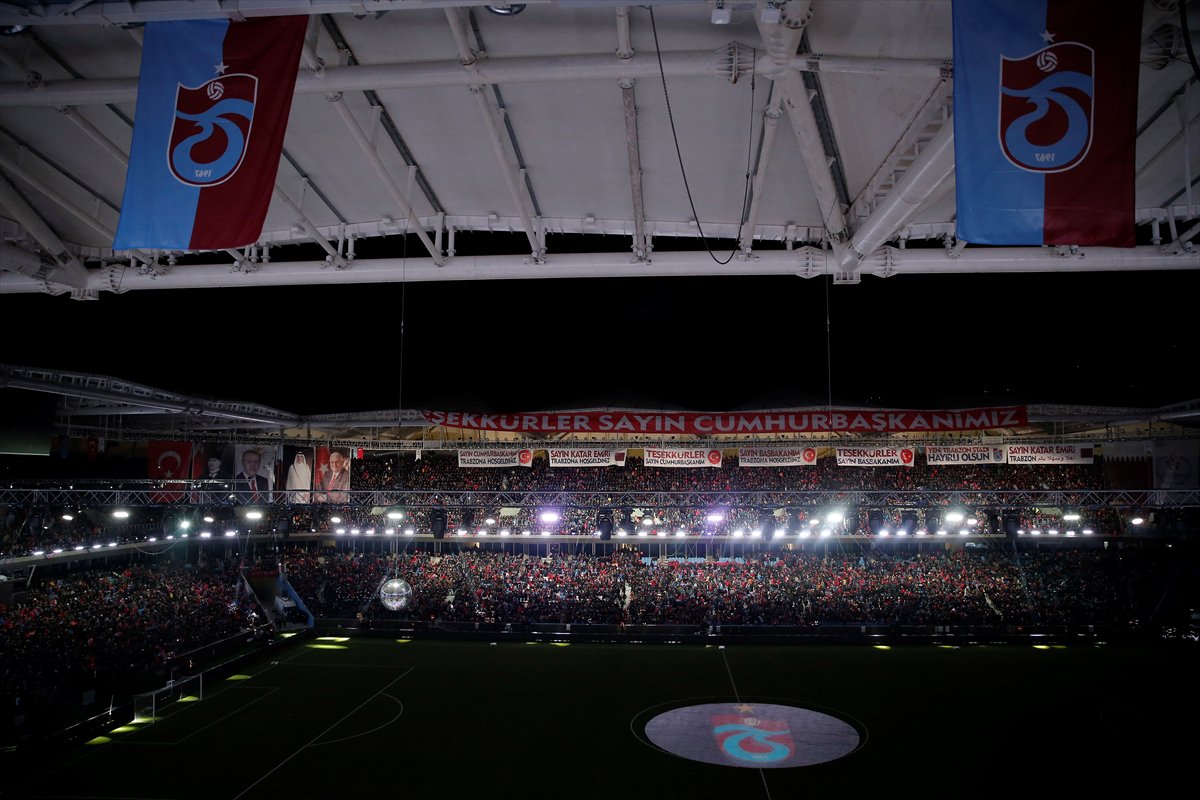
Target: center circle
{"type": "Point", "coordinates": [754, 735]}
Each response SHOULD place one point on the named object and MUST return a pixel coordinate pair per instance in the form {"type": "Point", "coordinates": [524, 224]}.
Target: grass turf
{"type": "Point", "coordinates": [372, 718]}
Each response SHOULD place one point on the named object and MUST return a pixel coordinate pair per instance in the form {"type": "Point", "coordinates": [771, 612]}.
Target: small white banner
{"type": "Point", "coordinates": [495, 458]}
{"type": "Point", "coordinates": [777, 456]}
{"type": "Point", "coordinates": [875, 457]}
{"type": "Point", "coordinates": [585, 457]}
{"type": "Point", "coordinates": [682, 457]}
{"type": "Point", "coordinates": [936, 455]}
{"type": "Point", "coordinates": [1050, 453]}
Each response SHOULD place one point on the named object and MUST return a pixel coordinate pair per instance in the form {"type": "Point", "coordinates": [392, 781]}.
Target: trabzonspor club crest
{"type": "Point", "coordinates": [1046, 107]}
{"type": "Point", "coordinates": [750, 739]}
{"type": "Point", "coordinates": [211, 129]}
{"type": "Point", "coordinates": [749, 734]}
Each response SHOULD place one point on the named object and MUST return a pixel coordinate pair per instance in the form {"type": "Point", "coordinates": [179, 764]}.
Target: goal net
{"type": "Point", "coordinates": [150, 706]}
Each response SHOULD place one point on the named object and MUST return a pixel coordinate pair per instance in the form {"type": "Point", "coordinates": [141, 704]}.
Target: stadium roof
{"type": "Point", "coordinates": [815, 134]}
{"type": "Point", "coordinates": [99, 405]}
{"type": "Point", "coordinates": [538, 143]}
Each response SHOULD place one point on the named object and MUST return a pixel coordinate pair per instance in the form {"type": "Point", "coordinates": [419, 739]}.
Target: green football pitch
{"type": "Point", "coordinates": [385, 718]}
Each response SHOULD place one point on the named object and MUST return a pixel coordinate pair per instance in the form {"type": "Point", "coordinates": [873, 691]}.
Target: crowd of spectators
{"type": "Point", "coordinates": [113, 625]}
{"type": "Point", "coordinates": [26, 530]}
{"type": "Point", "coordinates": [628, 588]}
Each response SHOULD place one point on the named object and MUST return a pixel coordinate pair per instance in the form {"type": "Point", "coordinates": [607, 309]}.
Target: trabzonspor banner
{"type": "Point", "coordinates": [682, 457]}
{"type": "Point", "coordinates": [1050, 453]}
{"type": "Point", "coordinates": [965, 454]}
{"type": "Point", "coordinates": [845, 420]}
{"type": "Point", "coordinates": [212, 106]}
{"type": "Point", "coordinates": [875, 457]}
{"type": "Point", "coordinates": [585, 457]}
{"type": "Point", "coordinates": [777, 456]}
{"type": "Point", "coordinates": [499, 457]}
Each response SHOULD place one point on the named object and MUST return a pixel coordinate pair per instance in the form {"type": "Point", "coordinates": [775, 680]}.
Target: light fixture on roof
{"type": "Point", "coordinates": [771, 14]}
{"type": "Point", "coordinates": [722, 15]}
{"type": "Point", "coordinates": [506, 9]}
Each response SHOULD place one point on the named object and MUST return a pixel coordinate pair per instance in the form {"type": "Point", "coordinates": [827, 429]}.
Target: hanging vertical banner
{"type": "Point", "coordinates": [169, 460]}
{"type": "Point", "coordinates": [298, 461]}
{"type": "Point", "coordinates": [255, 477]}
{"type": "Point", "coordinates": [682, 457]}
{"type": "Point", "coordinates": [331, 475]}
{"type": "Point", "coordinates": [1045, 120]}
{"type": "Point", "coordinates": [212, 108]}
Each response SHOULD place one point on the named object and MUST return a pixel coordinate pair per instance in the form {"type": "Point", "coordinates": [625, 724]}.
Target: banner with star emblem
{"type": "Point", "coordinates": [166, 460]}
{"type": "Point", "coordinates": [212, 108]}
{"type": "Point", "coordinates": [1045, 121]}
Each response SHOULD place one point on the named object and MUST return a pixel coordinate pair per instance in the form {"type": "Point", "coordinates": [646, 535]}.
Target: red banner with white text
{"type": "Point", "coordinates": [838, 420]}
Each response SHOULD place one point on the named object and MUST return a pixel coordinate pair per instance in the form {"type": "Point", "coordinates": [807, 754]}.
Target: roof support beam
{"type": "Point", "coordinates": [424, 74]}
{"type": "Point", "coordinates": [332, 256]}
{"type": "Point", "coordinates": [781, 40]}
{"type": "Point", "coordinates": [804, 261]}
{"type": "Point", "coordinates": [467, 58]}
{"type": "Point", "coordinates": [69, 271]}
{"type": "Point", "coordinates": [17, 171]}
{"type": "Point", "coordinates": [356, 133]}
{"type": "Point", "coordinates": [770, 123]}
{"type": "Point", "coordinates": [629, 105]}
{"type": "Point", "coordinates": [927, 175]}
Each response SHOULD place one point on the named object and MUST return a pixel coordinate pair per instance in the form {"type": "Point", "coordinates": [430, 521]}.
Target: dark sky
{"type": "Point", "coordinates": [701, 343]}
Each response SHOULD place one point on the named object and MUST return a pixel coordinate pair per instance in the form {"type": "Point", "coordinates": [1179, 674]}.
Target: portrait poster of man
{"type": "Point", "coordinates": [212, 469]}
{"type": "Point", "coordinates": [331, 478]}
{"type": "Point", "coordinates": [298, 463]}
{"type": "Point", "coordinates": [255, 477]}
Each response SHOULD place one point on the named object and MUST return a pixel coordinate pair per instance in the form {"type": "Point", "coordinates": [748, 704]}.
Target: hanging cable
{"type": "Point", "coordinates": [679, 153]}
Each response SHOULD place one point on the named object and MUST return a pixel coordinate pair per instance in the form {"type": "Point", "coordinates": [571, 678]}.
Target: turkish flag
{"type": "Point", "coordinates": [169, 460]}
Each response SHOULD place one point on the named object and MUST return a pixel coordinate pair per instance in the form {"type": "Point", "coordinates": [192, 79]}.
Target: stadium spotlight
{"type": "Point", "coordinates": [256, 515]}
{"type": "Point", "coordinates": [335, 519]}
{"type": "Point", "coordinates": [834, 517]}
{"type": "Point", "coordinates": [209, 518]}
{"type": "Point", "coordinates": [1137, 520]}
{"type": "Point", "coordinates": [739, 533]}
{"type": "Point", "coordinates": [715, 517]}
{"type": "Point", "coordinates": [955, 516]}
{"type": "Point", "coordinates": [756, 533]}
{"type": "Point", "coordinates": [67, 516]}
{"type": "Point", "coordinates": [780, 532]}
{"type": "Point", "coordinates": [1071, 516]}
{"type": "Point", "coordinates": [825, 534]}
{"type": "Point", "coordinates": [549, 517]}
{"type": "Point", "coordinates": [941, 532]}
{"type": "Point", "coordinates": [121, 513]}
{"type": "Point", "coordinates": [395, 514]}
{"type": "Point", "coordinates": [884, 532]}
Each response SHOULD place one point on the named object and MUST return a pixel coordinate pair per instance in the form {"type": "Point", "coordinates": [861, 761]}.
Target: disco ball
{"type": "Point", "coordinates": [395, 594]}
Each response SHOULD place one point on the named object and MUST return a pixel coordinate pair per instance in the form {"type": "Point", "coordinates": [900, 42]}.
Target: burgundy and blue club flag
{"type": "Point", "coordinates": [212, 108]}
{"type": "Point", "coordinates": [1045, 120]}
